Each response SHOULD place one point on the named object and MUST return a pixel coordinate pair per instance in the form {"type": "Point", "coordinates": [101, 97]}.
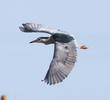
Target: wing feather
{"type": "Point", "coordinates": [63, 61]}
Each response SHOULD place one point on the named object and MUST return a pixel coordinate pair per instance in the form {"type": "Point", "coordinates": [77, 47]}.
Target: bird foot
{"type": "Point", "coordinates": [83, 47]}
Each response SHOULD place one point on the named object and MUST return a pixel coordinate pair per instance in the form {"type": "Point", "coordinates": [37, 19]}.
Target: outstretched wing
{"type": "Point", "coordinates": [31, 27]}
{"type": "Point", "coordinates": [63, 61]}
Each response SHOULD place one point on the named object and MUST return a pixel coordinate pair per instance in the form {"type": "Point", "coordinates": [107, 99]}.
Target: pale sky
{"type": "Point", "coordinates": [24, 65]}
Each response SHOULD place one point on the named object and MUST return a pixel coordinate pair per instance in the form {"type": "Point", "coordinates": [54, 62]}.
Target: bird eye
{"type": "Point", "coordinates": [38, 38]}
{"type": "Point", "coordinates": [66, 47]}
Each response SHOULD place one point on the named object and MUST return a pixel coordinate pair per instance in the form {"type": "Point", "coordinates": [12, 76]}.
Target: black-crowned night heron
{"type": "Point", "coordinates": [65, 51]}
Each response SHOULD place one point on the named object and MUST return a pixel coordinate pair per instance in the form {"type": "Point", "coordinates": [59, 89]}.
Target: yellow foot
{"type": "Point", "coordinates": [83, 47]}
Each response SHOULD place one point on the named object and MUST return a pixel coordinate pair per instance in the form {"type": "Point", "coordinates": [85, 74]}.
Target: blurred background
{"type": "Point", "coordinates": [24, 65]}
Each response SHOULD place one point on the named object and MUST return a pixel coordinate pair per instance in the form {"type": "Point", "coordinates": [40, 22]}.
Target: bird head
{"type": "Point", "coordinates": [40, 40]}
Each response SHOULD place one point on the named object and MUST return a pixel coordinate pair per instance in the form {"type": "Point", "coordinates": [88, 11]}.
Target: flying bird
{"type": "Point", "coordinates": [65, 51]}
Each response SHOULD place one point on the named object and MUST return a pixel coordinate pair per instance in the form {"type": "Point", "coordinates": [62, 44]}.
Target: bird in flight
{"type": "Point", "coordinates": [65, 51]}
